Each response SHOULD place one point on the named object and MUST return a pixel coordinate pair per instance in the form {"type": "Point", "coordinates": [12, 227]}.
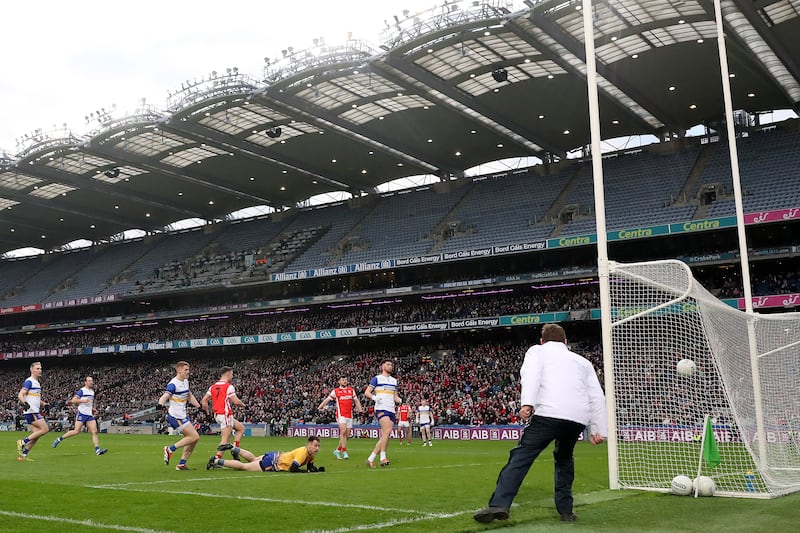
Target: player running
{"type": "Point", "coordinates": [30, 398]}
{"type": "Point", "coordinates": [344, 396]}
{"type": "Point", "coordinates": [84, 399]}
{"type": "Point", "coordinates": [177, 395]}
{"type": "Point", "coordinates": [222, 394]}
{"type": "Point", "coordinates": [425, 419]}
{"type": "Point", "coordinates": [272, 461]}
{"type": "Point", "coordinates": [382, 389]}
{"type": "Point", "coordinates": [404, 423]}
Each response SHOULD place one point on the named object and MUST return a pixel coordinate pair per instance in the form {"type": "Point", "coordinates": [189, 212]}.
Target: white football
{"type": "Point", "coordinates": [705, 486]}
{"type": "Point", "coordinates": [682, 486]}
{"type": "Point", "coordinates": [686, 368]}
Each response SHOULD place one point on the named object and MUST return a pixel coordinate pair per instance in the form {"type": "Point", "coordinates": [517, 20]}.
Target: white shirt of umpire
{"type": "Point", "coordinates": [561, 384]}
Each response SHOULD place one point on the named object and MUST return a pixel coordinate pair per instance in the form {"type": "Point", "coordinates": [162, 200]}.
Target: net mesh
{"type": "Point", "coordinates": [661, 315]}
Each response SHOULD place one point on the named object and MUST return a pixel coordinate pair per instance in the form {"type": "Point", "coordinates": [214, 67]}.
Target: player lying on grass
{"type": "Point", "coordinates": [271, 461]}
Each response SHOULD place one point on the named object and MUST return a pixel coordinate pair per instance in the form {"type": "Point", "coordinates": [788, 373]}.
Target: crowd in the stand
{"type": "Point", "coordinates": [209, 268]}
{"type": "Point", "coordinates": [729, 284]}
{"type": "Point", "coordinates": [382, 311]}
{"type": "Point", "coordinates": [466, 384]}
{"type": "Point", "coordinates": [332, 316]}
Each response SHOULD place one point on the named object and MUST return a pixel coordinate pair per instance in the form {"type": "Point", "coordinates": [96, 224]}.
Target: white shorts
{"type": "Point", "coordinates": [347, 422]}
{"type": "Point", "coordinates": [224, 421]}
{"type": "Point", "coordinates": [404, 424]}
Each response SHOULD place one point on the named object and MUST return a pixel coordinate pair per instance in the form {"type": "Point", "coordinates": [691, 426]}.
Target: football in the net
{"type": "Point", "coordinates": [681, 485]}
{"type": "Point", "coordinates": [705, 486]}
{"type": "Point", "coordinates": [686, 368]}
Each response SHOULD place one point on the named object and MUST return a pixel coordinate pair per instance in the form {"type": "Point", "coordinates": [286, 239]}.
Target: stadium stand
{"type": "Point", "coordinates": [468, 383]}
{"type": "Point", "coordinates": [55, 272]}
{"type": "Point", "coordinates": [339, 219]}
{"type": "Point", "coordinates": [491, 210]}
{"type": "Point", "coordinates": [505, 209]}
{"type": "Point", "coordinates": [768, 163]}
{"type": "Point", "coordinates": [166, 249]}
{"type": "Point", "coordinates": [654, 181]}
{"type": "Point", "coordinates": [370, 312]}
{"type": "Point", "coordinates": [89, 280]}
{"type": "Point", "coordinates": [400, 225]}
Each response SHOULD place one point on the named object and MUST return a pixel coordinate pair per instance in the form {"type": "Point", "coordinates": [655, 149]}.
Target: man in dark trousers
{"type": "Point", "coordinates": [561, 396]}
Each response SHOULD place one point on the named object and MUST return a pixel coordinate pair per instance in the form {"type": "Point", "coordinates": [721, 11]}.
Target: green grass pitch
{"type": "Point", "coordinates": [424, 489]}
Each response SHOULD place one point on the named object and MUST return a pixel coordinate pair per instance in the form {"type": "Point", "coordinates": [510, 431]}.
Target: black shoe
{"type": "Point", "coordinates": [224, 447]}
{"type": "Point", "coordinates": [484, 516]}
{"type": "Point", "coordinates": [568, 517]}
{"type": "Point", "coordinates": [235, 455]}
{"type": "Point", "coordinates": [211, 462]}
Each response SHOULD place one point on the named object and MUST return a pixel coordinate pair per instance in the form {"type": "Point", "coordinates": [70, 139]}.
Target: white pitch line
{"type": "Point", "coordinates": [270, 500]}
{"type": "Point", "coordinates": [87, 523]}
{"type": "Point", "coordinates": [587, 498]}
{"type": "Point", "coordinates": [390, 523]}
{"type": "Point", "coordinates": [160, 482]}
{"type": "Point", "coordinates": [218, 478]}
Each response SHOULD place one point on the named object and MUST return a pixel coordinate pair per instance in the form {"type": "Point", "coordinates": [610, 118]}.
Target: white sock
{"type": "Point", "coordinates": [383, 456]}
{"type": "Point", "coordinates": [371, 457]}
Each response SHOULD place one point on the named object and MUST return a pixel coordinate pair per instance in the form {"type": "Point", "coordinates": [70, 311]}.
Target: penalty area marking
{"type": "Point", "coordinates": [587, 498]}
{"type": "Point", "coordinates": [259, 499]}
{"type": "Point", "coordinates": [390, 523]}
{"type": "Point", "coordinates": [87, 523]}
{"type": "Point", "coordinates": [218, 478]}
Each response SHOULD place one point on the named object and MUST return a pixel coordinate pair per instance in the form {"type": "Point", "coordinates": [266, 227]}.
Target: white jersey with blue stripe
{"type": "Point", "coordinates": [384, 388]}
{"type": "Point", "coordinates": [34, 395]}
{"type": "Point", "coordinates": [83, 393]}
{"type": "Point", "coordinates": [179, 395]}
{"type": "Point", "coordinates": [424, 414]}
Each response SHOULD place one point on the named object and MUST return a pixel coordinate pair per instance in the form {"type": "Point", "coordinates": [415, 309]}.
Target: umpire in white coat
{"type": "Point", "coordinates": [561, 396]}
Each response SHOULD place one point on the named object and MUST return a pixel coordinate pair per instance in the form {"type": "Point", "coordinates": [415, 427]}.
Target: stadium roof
{"type": "Point", "coordinates": [459, 85]}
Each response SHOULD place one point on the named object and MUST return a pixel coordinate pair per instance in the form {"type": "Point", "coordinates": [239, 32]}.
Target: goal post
{"type": "Point", "coordinates": [745, 377]}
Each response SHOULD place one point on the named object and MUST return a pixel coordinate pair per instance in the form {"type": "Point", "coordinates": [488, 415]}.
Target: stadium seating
{"type": "Point", "coordinates": [165, 250]}
{"type": "Point", "coordinates": [400, 225]}
{"type": "Point", "coordinates": [340, 219]}
{"type": "Point", "coordinates": [641, 189]}
{"type": "Point", "coordinates": [768, 164]}
{"type": "Point", "coordinates": [506, 209]}
{"type": "Point", "coordinates": [56, 270]}
{"type": "Point", "coordinates": [90, 279]}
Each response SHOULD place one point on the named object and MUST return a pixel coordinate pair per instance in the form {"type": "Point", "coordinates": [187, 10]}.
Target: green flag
{"type": "Point", "coordinates": [710, 449]}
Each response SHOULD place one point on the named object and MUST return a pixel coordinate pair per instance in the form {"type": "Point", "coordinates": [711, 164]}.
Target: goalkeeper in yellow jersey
{"type": "Point", "coordinates": [291, 461]}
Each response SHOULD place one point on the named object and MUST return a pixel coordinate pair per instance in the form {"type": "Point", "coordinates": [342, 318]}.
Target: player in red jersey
{"type": "Point", "coordinates": [344, 396]}
{"type": "Point", "coordinates": [222, 394]}
{"type": "Point", "coordinates": [404, 423]}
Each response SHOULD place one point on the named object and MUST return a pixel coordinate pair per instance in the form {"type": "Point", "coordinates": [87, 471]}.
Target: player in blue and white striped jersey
{"type": "Point", "coordinates": [178, 395]}
{"type": "Point", "coordinates": [84, 399]}
{"type": "Point", "coordinates": [30, 397]}
{"type": "Point", "coordinates": [382, 389]}
{"type": "Point", "coordinates": [425, 419]}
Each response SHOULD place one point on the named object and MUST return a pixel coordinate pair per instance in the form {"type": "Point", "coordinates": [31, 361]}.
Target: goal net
{"type": "Point", "coordinates": [661, 315]}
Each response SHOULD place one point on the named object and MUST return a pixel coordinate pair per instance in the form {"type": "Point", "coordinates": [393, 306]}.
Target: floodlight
{"type": "Point", "coordinates": [500, 75]}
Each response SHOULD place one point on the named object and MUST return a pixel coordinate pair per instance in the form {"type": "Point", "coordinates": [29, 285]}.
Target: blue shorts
{"type": "Point", "coordinates": [424, 424]}
{"type": "Point", "coordinates": [30, 418]}
{"type": "Point", "coordinates": [177, 423]}
{"type": "Point", "coordinates": [268, 461]}
{"type": "Point", "coordinates": [383, 414]}
{"type": "Point", "coordinates": [80, 417]}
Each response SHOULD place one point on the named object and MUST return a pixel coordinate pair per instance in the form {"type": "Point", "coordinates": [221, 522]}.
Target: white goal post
{"type": "Point", "coordinates": [746, 377]}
